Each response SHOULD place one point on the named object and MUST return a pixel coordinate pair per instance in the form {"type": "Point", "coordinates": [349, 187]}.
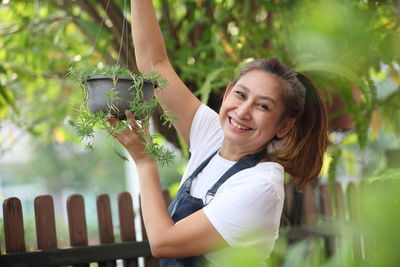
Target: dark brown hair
{"type": "Point", "coordinates": [301, 151]}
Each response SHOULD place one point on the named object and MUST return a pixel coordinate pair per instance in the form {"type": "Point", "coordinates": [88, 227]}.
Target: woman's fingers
{"type": "Point", "coordinates": [131, 119]}
{"type": "Point", "coordinates": [130, 131]}
{"type": "Point", "coordinates": [130, 137]}
{"type": "Point", "coordinates": [134, 123]}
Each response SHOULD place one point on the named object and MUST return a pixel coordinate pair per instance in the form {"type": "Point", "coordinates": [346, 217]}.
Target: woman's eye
{"type": "Point", "coordinates": [265, 107]}
{"type": "Point", "coordinates": [240, 94]}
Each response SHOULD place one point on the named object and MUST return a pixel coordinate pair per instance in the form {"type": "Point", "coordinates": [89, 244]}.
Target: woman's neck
{"type": "Point", "coordinates": [234, 153]}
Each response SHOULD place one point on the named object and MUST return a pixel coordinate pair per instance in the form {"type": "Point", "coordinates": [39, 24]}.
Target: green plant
{"type": "Point", "coordinates": [87, 122]}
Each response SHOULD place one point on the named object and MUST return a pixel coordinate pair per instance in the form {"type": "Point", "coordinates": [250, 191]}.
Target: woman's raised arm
{"type": "Point", "coordinates": [151, 55]}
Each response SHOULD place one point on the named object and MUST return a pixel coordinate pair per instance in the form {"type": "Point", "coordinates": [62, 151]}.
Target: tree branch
{"type": "Point", "coordinates": [166, 19]}
{"type": "Point", "coordinates": [270, 24]}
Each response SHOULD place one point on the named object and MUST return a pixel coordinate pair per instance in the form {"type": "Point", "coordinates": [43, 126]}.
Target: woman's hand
{"type": "Point", "coordinates": [130, 138]}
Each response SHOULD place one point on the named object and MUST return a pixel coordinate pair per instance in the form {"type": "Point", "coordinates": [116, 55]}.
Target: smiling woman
{"type": "Point", "coordinates": [250, 114]}
{"type": "Point", "coordinates": [299, 114]}
{"type": "Point", "coordinates": [231, 195]}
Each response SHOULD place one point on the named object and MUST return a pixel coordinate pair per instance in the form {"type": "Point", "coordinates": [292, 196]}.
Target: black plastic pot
{"type": "Point", "coordinates": [98, 87]}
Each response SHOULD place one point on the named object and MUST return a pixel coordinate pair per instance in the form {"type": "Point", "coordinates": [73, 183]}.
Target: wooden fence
{"type": "Point", "coordinates": [80, 253]}
{"type": "Point", "coordinates": [301, 213]}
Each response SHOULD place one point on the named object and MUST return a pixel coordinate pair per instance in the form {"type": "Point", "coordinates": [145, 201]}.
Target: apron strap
{"type": "Point", "coordinates": [188, 183]}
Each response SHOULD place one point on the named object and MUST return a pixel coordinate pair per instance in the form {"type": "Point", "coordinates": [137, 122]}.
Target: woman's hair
{"type": "Point", "coordinates": [301, 150]}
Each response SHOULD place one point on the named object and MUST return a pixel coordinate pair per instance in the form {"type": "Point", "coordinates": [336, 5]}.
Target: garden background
{"type": "Point", "coordinates": [349, 48]}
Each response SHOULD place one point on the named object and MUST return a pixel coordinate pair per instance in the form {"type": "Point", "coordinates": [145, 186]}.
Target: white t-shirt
{"type": "Point", "coordinates": [246, 209]}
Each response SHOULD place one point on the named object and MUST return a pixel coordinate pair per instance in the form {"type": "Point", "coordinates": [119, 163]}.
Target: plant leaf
{"type": "Point", "coordinates": [206, 88]}
{"type": "Point", "coordinates": [8, 98]}
{"type": "Point", "coordinates": [332, 68]}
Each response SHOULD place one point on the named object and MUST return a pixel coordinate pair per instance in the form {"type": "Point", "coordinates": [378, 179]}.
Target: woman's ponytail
{"type": "Point", "coordinates": [311, 136]}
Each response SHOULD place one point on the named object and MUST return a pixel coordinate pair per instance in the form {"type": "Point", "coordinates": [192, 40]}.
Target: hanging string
{"type": "Point", "coordinates": [86, 92]}
{"type": "Point", "coordinates": [122, 34]}
{"type": "Point", "coordinates": [98, 32]}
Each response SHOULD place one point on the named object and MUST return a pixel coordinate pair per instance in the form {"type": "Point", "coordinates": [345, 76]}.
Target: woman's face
{"type": "Point", "coordinates": [251, 110]}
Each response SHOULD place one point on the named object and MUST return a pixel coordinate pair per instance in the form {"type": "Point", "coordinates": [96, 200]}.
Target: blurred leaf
{"type": "Point", "coordinates": [93, 29]}
{"type": "Point", "coordinates": [7, 98]}
{"type": "Point", "coordinates": [332, 68]}
{"type": "Point", "coordinates": [173, 189]}
{"type": "Point", "coordinates": [350, 139]}
{"type": "Point", "coordinates": [206, 88]}
{"type": "Point", "coordinates": [332, 173]}
{"type": "Point", "coordinates": [308, 252]}
{"type": "Point", "coordinates": [350, 161]}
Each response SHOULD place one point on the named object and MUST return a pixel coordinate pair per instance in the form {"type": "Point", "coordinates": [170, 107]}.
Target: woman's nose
{"type": "Point", "coordinates": [243, 110]}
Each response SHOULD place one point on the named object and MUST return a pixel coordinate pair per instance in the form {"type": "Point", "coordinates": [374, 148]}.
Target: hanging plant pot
{"type": "Point", "coordinates": [112, 91]}
{"type": "Point", "coordinates": [114, 94]}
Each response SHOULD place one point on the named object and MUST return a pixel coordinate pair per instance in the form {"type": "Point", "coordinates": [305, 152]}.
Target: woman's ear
{"type": "Point", "coordinates": [285, 127]}
{"type": "Point", "coordinates": [228, 89]}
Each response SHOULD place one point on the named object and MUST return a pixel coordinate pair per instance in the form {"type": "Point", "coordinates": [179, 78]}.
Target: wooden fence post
{"type": "Point", "coordinates": [45, 223]}
{"type": "Point", "coordinates": [13, 225]}
{"type": "Point", "coordinates": [127, 223]}
{"type": "Point", "coordinates": [106, 232]}
{"type": "Point", "coordinates": [77, 222]}
{"type": "Point", "coordinates": [309, 206]}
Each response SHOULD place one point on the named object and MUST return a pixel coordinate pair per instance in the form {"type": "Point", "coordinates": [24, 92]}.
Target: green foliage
{"type": "Point", "coordinates": [140, 108]}
{"type": "Point", "coordinates": [337, 43]}
{"type": "Point", "coordinates": [369, 239]}
{"type": "Point", "coordinates": [81, 72]}
{"type": "Point", "coordinates": [341, 45]}
{"type": "Point", "coordinates": [159, 153]}
{"type": "Point", "coordinates": [37, 44]}
{"type": "Point", "coordinates": [6, 100]}
{"type": "Point", "coordinates": [335, 154]}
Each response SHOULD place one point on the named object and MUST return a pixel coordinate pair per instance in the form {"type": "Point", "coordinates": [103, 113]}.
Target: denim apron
{"type": "Point", "coordinates": [184, 204]}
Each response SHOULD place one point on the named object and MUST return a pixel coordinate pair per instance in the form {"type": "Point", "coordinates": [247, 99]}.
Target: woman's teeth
{"type": "Point", "coordinates": [237, 125]}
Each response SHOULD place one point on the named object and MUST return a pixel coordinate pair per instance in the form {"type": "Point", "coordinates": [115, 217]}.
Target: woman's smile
{"type": "Point", "coordinates": [238, 126]}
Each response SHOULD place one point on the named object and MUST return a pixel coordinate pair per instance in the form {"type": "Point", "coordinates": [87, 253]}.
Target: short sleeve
{"type": "Point", "coordinates": [205, 129]}
{"type": "Point", "coordinates": [247, 213]}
